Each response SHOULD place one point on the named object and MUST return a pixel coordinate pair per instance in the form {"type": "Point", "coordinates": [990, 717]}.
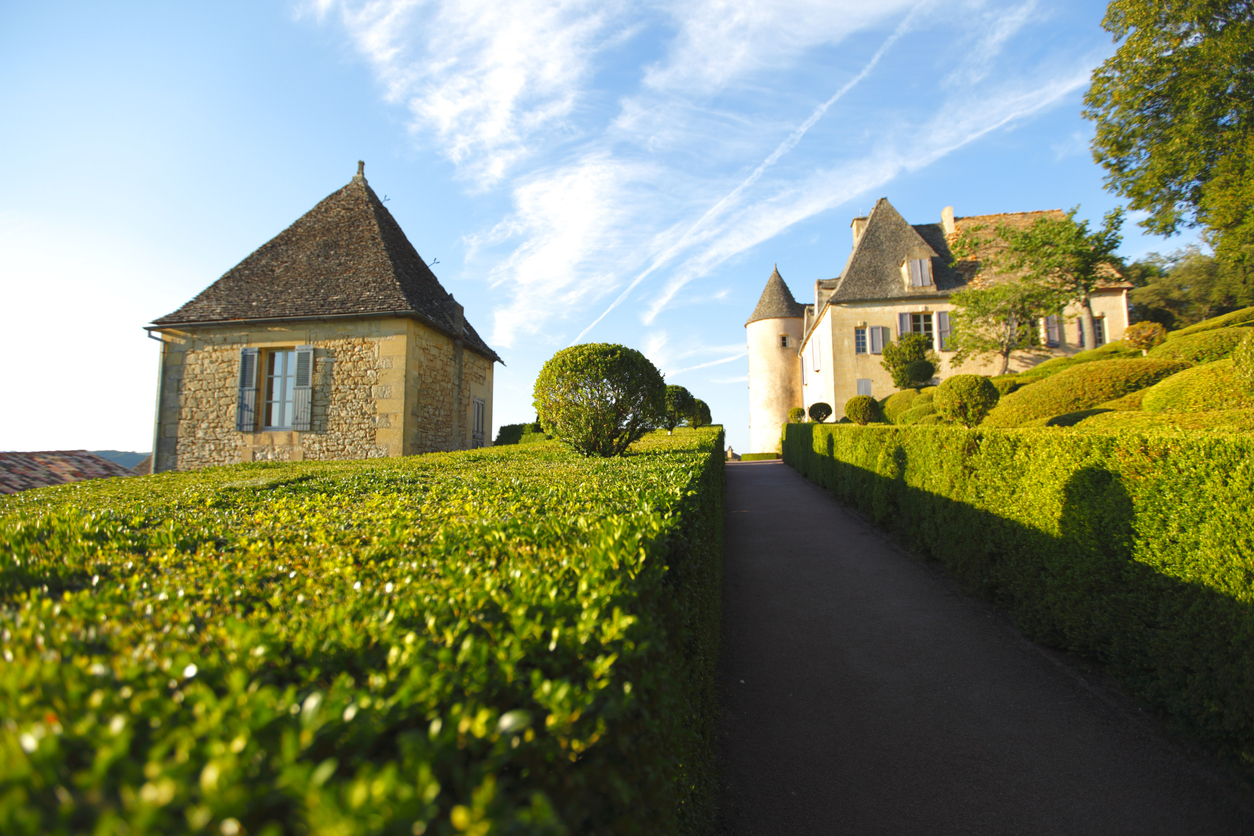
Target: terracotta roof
{"type": "Point", "coordinates": [777, 301]}
{"type": "Point", "coordinates": [346, 257]}
{"type": "Point", "coordinates": [1018, 221]}
{"type": "Point", "coordinates": [22, 471]}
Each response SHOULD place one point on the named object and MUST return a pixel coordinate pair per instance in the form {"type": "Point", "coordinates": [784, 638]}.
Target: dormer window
{"type": "Point", "coordinates": [919, 272]}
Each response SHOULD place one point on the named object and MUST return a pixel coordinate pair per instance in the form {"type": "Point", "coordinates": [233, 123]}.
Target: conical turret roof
{"type": "Point", "coordinates": [346, 257]}
{"type": "Point", "coordinates": [776, 301]}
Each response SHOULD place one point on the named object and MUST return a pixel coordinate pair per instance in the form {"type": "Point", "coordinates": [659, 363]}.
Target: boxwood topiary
{"type": "Point", "coordinates": [1144, 335]}
{"type": "Point", "coordinates": [599, 397]}
{"type": "Point", "coordinates": [1130, 402]}
{"type": "Point", "coordinates": [1109, 351]}
{"type": "Point", "coordinates": [1202, 347]}
{"type": "Point", "coordinates": [795, 416]}
{"type": "Point", "coordinates": [966, 398]}
{"type": "Point", "coordinates": [916, 413]}
{"type": "Point", "coordinates": [1007, 383]}
{"type": "Point", "coordinates": [1227, 420]}
{"type": "Point", "coordinates": [864, 409]}
{"type": "Point", "coordinates": [1243, 359]}
{"type": "Point", "coordinates": [1200, 389]}
{"type": "Point", "coordinates": [1047, 369]}
{"type": "Point", "coordinates": [933, 419]}
{"type": "Point", "coordinates": [1245, 316]}
{"type": "Point", "coordinates": [926, 394]}
{"type": "Point", "coordinates": [897, 403]}
{"type": "Point", "coordinates": [1079, 387]}
{"type": "Point", "coordinates": [820, 412]}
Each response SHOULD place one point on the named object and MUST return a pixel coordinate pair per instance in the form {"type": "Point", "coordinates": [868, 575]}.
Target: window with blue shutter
{"type": "Point", "coordinates": [246, 404]}
{"type": "Point", "coordinates": [942, 330]}
{"type": "Point", "coordinates": [302, 402]}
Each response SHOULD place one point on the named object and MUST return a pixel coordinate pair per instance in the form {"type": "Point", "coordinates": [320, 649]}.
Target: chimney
{"type": "Point", "coordinates": [947, 220]}
{"type": "Point", "coordinates": [859, 226]}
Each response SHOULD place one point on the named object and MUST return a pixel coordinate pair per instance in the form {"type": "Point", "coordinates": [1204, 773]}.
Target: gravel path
{"type": "Point", "coordinates": [862, 693]}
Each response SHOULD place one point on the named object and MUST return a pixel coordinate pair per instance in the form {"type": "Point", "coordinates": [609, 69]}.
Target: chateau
{"type": "Point", "coordinates": [334, 340]}
{"type": "Point", "coordinates": [898, 280]}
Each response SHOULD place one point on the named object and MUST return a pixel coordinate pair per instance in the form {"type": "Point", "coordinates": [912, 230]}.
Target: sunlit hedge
{"type": "Point", "coordinates": [513, 640]}
{"type": "Point", "coordinates": [1079, 387]}
{"type": "Point", "coordinates": [1133, 548]}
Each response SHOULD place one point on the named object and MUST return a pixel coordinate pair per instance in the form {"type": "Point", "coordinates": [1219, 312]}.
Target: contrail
{"type": "Point", "coordinates": [782, 149]}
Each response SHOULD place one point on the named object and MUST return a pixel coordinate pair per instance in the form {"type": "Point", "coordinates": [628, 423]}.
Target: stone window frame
{"type": "Point", "coordinates": [287, 408]}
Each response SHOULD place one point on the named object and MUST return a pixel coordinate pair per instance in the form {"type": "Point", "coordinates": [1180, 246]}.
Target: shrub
{"type": "Point", "coordinates": [1131, 548]}
{"type": "Point", "coordinates": [353, 647]}
{"type": "Point", "coordinates": [1200, 389]}
{"type": "Point", "coordinates": [1130, 402]}
{"type": "Point", "coordinates": [701, 414]}
{"type": "Point", "coordinates": [599, 398]}
{"type": "Point", "coordinates": [1110, 351]}
{"type": "Point", "coordinates": [796, 415]}
{"type": "Point", "coordinates": [1079, 387]}
{"type": "Point", "coordinates": [1007, 383]}
{"type": "Point", "coordinates": [758, 457]}
{"type": "Point", "coordinates": [1068, 419]}
{"type": "Point", "coordinates": [509, 434]}
{"type": "Point", "coordinates": [864, 409]}
{"type": "Point", "coordinates": [926, 395]}
{"type": "Point", "coordinates": [1144, 335]}
{"type": "Point", "coordinates": [1047, 369]}
{"type": "Point", "coordinates": [965, 398]}
{"type": "Point", "coordinates": [897, 403]}
{"type": "Point", "coordinates": [901, 360]}
{"type": "Point", "coordinates": [820, 412]}
{"type": "Point", "coordinates": [916, 413]}
{"type": "Point", "coordinates": [1243, 359]}
{"type": "Point", "coordinates": [934, 418]}
{"type": "Point", "coordinates": [1202, 347]}
{"type": "Point", "coordinates": [679, 406]}
{"type": "Point", "coordinates": [1245, 316]}
{"type": "Point", "coordinates": [1221, 420]}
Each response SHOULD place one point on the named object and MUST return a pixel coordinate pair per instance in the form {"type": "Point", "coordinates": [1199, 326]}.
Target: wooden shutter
{"type": "Point", "coordinates": [816, 345]}
{"type": "Point", "coordinates": [302, 402]}
{"type": "Point", "coordinates": [1053, 334]}
{"type": "Point", "coordinates": [246, 405]}
{"type": "Point", "coordinates": [877, 339]}
{"type": "Point", "coordinates": [942, 329]}
{"type": "Point", "coordinates": [903, 325]}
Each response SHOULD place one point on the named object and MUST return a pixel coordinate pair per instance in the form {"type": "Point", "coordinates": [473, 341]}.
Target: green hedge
{"type": "Point", "coordinates": [1229, 420]}
{"type": "Point", "coordinates": [1200, 389]}
{"type": "Point", "coordinates": [1245, 316]}
{"type": "Point", "coordinates": [516, 639]}
{"type": "Point", "coordinates": [897, 403]}
{"type": "Point", "coordinates": [1079, 387]}
{"type": "Point", "coordinates": [1203, 347]}
{"type": "Point", "coordinates": [758, 457]}
{"type": "Point", "coordinates": [1132, 548]}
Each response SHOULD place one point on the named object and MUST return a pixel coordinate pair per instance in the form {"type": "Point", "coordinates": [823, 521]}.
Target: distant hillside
{"type": "Point", "coordinates": [127, 460]}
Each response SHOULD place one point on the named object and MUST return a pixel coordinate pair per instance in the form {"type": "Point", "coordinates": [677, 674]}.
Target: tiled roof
{"type": "Point", "coordinates": [22, 471]}
{"type": "Point", "coordinates": [777, 301]}
{"type": "Point", "coordinates": [346, 257]}
{"type": "Point", "coordinates": [874, 267]}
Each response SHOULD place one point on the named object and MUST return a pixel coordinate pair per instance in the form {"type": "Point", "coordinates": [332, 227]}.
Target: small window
{"type": "Point", "coordinates": [1099, 331]}
{"type": "Point", "coordinates": [859, 341]}
{"type": "Point", "coordinates": [477, 427]}
{"type": "Point", "coordinates": [864, 387]}
{"type": "Point", "coordinates": [783, 341]}
{"type": "Point", "coordinates": [280, 388]}
{"type": "Point", "coordinates": [921, 323]}
{"type": "Point", "coordinates": [816, 351]}
{"type": "Point", "coordinates": [920, 272]}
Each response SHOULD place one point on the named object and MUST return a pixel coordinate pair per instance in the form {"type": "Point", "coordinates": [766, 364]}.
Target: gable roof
{"type": "Point", "coordinates": [23, 471]}
{"type": "Point", "coordinates": [346, 257]}
{"type": "Point", "coordinates": [777, 301]}
{"type": "Point", "coordinates": [874, 267]}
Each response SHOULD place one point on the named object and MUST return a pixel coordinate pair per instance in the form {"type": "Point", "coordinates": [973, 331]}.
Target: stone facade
{"type": "Point", "coordinates": [381, 387]}
{"type": "Point", "coordinates": [773, 361]}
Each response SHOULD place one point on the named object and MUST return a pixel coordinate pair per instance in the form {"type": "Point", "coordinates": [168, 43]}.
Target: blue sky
{"type": "Point", "coordinates": [606, 171]}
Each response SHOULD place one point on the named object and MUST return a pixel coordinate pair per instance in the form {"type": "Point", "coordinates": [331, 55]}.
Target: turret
{"type": "Point", "coordinates": [774, 332]}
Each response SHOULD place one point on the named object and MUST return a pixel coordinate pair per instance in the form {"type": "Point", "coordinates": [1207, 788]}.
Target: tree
{"type": "Point", "coordinates": [1053, 262]}
{"type": "Point", "coordinates": [701, 414]}
{"type": "Point", "coordinates": [599, 398]}
{"type": "Point", "coordinates": [1174, 113]}
{"type": "Point", "coordinates": [1186, 286]}
{"type": "Point", "coordinates": [679, 404]}
{"type": "Point", "coordinates": [905, 360]}
{"type": "Point", "coordinates": [998, 319]}
{"type": "Point", "coordinates": [820, 412]}
{"type": "Point", "coordinates": [1144, 335]}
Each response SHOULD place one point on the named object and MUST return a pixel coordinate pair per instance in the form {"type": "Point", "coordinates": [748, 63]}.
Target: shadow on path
{"type": "Point", "coordinates": [861, 693]}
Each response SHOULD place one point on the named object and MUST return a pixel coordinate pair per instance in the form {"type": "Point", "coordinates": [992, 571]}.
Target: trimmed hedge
{"type": "Point", "coordinates": [758, 457]}
{"type": "Point", "coordinates": [897, 403]}
{"type": "Point", "coordinates": [1117, 350]}
{"type": "Point", "coordinates": [1080, 387]}
{"type": "Point", "coordinates": [1049, 368]}
{"type": "Point", "coordinates": [1200, 389]}
{"type": "Point", "coordinates": [514, 640]}
{"type": "Point", "coordinates": [1130, 402]}
{"type": "Point", "coordinates": [1203, 347]}
{"type": "Point", "coordinates": [1229, 420]}
{"type": "Point", "coordinates": [1007, 383]}
{"type": "Point", "coordinates": [1245, 316]}
{"type": "Point", "coordinates": [916, 413]}
{"type": "Point", "coordinates": [1132, 548]}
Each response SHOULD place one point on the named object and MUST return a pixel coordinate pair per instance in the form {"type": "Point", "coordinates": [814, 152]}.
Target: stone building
{"type": "Point", "coordinates": [334, 340]}
{"type": "Point", "coordinates": [897, 280]}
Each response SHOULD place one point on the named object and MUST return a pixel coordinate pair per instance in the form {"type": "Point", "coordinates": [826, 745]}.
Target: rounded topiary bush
{"type": "Point", "coordinates": [599, 398]}
{"type": "Point", "coordinates": [1202, 347]}
{"type": "Point", "coordinates": [820, 412]}
{"type": "Point", "coordinates": [966, 398]}
{"type": "Point", "coordinates": [916, 413]}
{"type": "Point", "coordinates": [920, 371]}
{"type": "Point", "coordinates": [897, 403]}
{"type": "Point", "coordinates": [864, 409]}
{"type": "Point", "coordinates": [1144, 335]}
{"type": "Point", "coordinates": [796, 415]}
{"type": "Point", "coordinates": [926, 395]}
{"type": "Point", "coordinates": [1080, 387]}
{"type": "Point", "coordinates": [1200, 389]}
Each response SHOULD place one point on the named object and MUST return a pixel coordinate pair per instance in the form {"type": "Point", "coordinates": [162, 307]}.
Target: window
{"type": "Point", "coordinates": [859, 341]}
{"type": "Point", "coordinates": [480, 411]}
{"type": "Point", "coordinates": [1053, 333]}
{"type": "Point", "coordinates": [1099, 331]}
{"type": "Point", "coordinates": [864, 387]}
{"type": "Point", "coordinates": [280, 388]}
{"type": "Point", "coordinates": [816, 350]}
{"type": "Point", "coordinates": [783, 341]}
{"type": "Point", "coordinates": [921, 323]}
{"type": "Point", "coordinates": [943, 330]}
{"type": "Point", "coordinates": [879, 335]}
{"type": "Point", "coordinates": [920, 271]}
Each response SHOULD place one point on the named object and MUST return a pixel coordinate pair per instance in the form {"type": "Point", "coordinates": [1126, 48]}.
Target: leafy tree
{"type": "Point", "coordinates": [1174, 112]}
{"type": "Point", "coordinates": [599, 398]}
{"type": "Point", "coordinates": [1144, 335]}
{"type": "Point", "coordinates": [679, 404]}
{"type": "Point", "coordinates": [820, 412]}
{"type": "Point", "coordinates": [701, 414]}
{"type": "Point", "coordinates": [998, 319]}
{"type": "Point", "coordinates": [966, 398]}
{"type": "Point", "coordinates": [910, 349]}
{"type": "Point", "coordinates": [1187, 286]}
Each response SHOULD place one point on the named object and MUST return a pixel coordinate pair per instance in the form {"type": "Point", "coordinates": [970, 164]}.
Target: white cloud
{"type": "Point", "coordinates": [983, 42]}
